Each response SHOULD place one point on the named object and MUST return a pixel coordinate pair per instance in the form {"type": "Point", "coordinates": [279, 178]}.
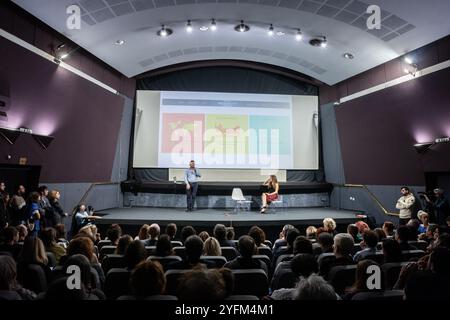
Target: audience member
{"type": "Point", "coordinates": [342, 249]}
{"type": "Point", "coordinates": [352, 230]}
{"type": "Point", "coordinates": [48, 237]}
{"type": "Point", "coordinates": [258, 235]}
{"type": "Point", "coordinates": [324, 244]}
{"type": "Point", "coordinates": [194, 250]}
{"type": "Point", "coordinates": [171, 230]}
{"type": "Point", "coordinates": [230, 233]}
{"type": "Point", "coordinates": [143, 233]}
{"type": "Point", "coordinates": [211, 247]}
{"type": "Point", "coordinates": [203, 235]}
{"type": "Point", "coordinates": [368, 245]}
{"type": "Point", "coordinates": [147, 279]}
{"type": "Point", "coordinates": [389, 228]}
{"type": "Point", "coordinates": [381, 235]}
{"type": "Point", "coordinates": [220, 233]}
{"type": "Point", "coordinates": [201, 285]}
{"type": "Point", "coordinates": [9, 287]}
{"type": "Point", "coordinates": [247, 248]}
{"type": "Point", "coordinates": [164, 246]}
{"type": "Point", "coordinates": [281, 241]}
{"type": "Point", "coordinates": [123, 243]}
{"type": "Point", "coordinates": [392, 251]}
{"type": "Point", "coordinates": [314, 288]}
{"type": "Point", "coordinates": [61, 235]}
{"type": "Point", "coordinates": [113, 234]}
{"type": "Point", "coordinates": [11, 242]}
{"type": "Point", "coordinates": [402, 236]}
{"type": "Point", "coordinates": [186, 232]}
{"type": "Point", "coordinates": [311, 233]}
{"type": "Point", "coordinates": [18, 206]}
{"type": "Point", "coordinates": [134, 254]}
{"type": "Point", "coordinates": [424, 218]}
{"type": "Point", "coordinates": [302, 245]}
{"type": "Point", "coordinates": [362, 277]}
{"type": "Point", "coordinates": [329, 225]}
{"type": "Point", "coordinates": [57, 211]}
{"type": "Point", "coordinates": [154, 231]}
{"type": "Point", "coordinates": [23, 233]}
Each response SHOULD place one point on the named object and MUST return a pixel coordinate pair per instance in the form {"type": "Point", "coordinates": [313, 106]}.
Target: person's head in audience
{"type": "Point", "coordinates": [33, 252]}
{"type": "Point", "coordinates": [113, 233]}
{"type": "Point", "coordinates": [8, 273]}
{"type": "Point", "coordinates": [403, 234]}
{"type": "Point", "coordinates": [85, 269]}
{"type": "Point", "coordinates": [326, 242]}
{"type": "Point", "coordinates": [186, 232]}
{"type": "Point", "coordinates": [388, 228]}
{"type": "Point", "coordinates": [284, 231]}
{"type": "Point", "coordinates": [369, 239]}
{"type": "Point", "coordinates": [303, 265]}
{"type": "Point", "coordinates": [343, 245]}
{"type": "Point", "coordinates": [147, 279]}
{"type": "Point", "coordinates": [60, 231]}
{"type": "Point", "coordinates": [423, 217]}
{"type": "Point", "coordinates": [171, 230]}
{"type": "Point", "coordinates": [362, 226]}
{"type": "Point", "coordinates": [43, 191]}
{"type": "Point", "coordinates": [228, 278]}
{"type": "Point", "coordinates": [291, 235]}
{"type": "Point", "coordinates": [230, 233]}
{"type": "Point", "coordinates": [21, 190]}
{"type": "Point", "coordinates": [211, 247]}
{"type": "Point", "coordinates": [430, 234]}
{"type": "Point", "coordinates": [203, 235]}
{"type": "Point", "coordinates": [134, 254]}
{"type": "Point", "coordinates": [48, 237]}
{"type": "Point", "coordinates": [194, 249]}
{"type": "Point", "coordinates": [35, 197]}
{"type": "Point", "coordinates": [329, 225]}
{"type": "Point", "coordinates": [413, 225]}
{"type": "Point", "coordinates": [143, 232]}
{"type": "Point", "coordinates": [247, 247]}
{"type": "Point", "coordinates": [122, 245]}
{"type": "Point", "coordinates": [381, 235]}
{"type": "Point", "coordinates": [352, 230]}
{"type": "Point", "coordinates": [363, 275]}
{"type": "Point", "coordinates": [311, 232]}
{"type": "Point", "coordinates": [23, 232]}
{"type": "Point", "coordinates": [59, 291]}
{"type": "Point", "coordinates": [314, 288]}
{"type": "Point", "coordinates": [164, 246]}
{"type": "Point", "coordinates": [258, 235]}
{"type": "Point", "coordinates": [392, 251]}
{"type": "Point", "coordinates": [201, 285]}
{"type": "Point", "coordinates": [302, 245]}
{"type": "Point", "coordinates": [10, 236]}
{"type": "Point", "coordinates": [86, 231]}
{"type": "Point", "coordinates": [54, 196]}
{"type": "Point", "coordinates": [2, 187]}
{"type": "Point", "coordinates": [220, 232]}
{"type": "Point", "coordinates": [84, 246]}
{"type": "Point", "coordinates": [154, 231]}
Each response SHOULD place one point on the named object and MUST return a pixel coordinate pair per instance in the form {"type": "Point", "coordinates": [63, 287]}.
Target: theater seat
{"type": "Point", "coordinates": [250, 282]}
{"type": "Point", "coordinates": [164, 261]}
{"type": "Point", "coordinates": [408, 255]}
{"type": "Point", "coordinates": [117, 283]}
{"type": "Point", "coordinates": [176, 243]}
{"type": "Point", "coordinates": [51, 259]}
{"type": "Point", "coordinates": [268, 243]}
{"type": "Point", "coordinates": [391, 272]}
{"type": "Point", "coordinates": [242, 297]}
{"type": "Point", "coordinates": [341, 277]}
{"type": "Point", "coordinates": [392, 295]}
{"type": "Point", "coordinates": [229, 253]}
{"type": "Point", "coordinates": [180, 251]}
{"type": "Point", "coordinates": [105, 250]}
{"type": "Point", "coordinates": [150, 250]}
{"type": "Point", "coordinates": [283, 258]}
{"type": "Point", "coordinates": [219, 261]}
{"type": "Point", "coordinates": [34, 278]}
{"type": "Point", "coordinates": [265, 251]}
{"type": "Point", "coordinates": [283, 277]}
{"type": "Point", "coordinates": [262, 258]}
{"type": "Point", "coordinates": [420, 245]}
{"type": "Point", "coordinates": [113, 261]}
{"type": "Point", "coordinates": [102, 243]}
{"type": "Point", "coordinates": [378, 257]}
{"type": "Point", "coordinates": [172, 278]}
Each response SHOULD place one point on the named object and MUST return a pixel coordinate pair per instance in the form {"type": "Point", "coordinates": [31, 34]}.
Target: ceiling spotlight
{"type": "Point", "coordinates": [189, 28]}
{"type": "Point", "coordinates": [270, 32]}
{"type": "Point", "coordinates": [164, 32]}
{"type": "Point", "coordinates": [280, 33]}
{"type": "Point", "coordinates": [204, 28]}
{"type": "Point", "coordinates": [64, 56]}
{"type": "Point", "coordinates": [242, 27]}
{"type": "Point", "coordinates": [348, 56]}
{"type": "Point", "coordinates": [213, 25]}
{"type": "Point", "coordinates": [119, 42]}
{"type": "Point", "coordinates": [318, 42]}
{"type": "Point", "coordinates": [299, 35]}
{"type": "Point", "coordinates": [324, 43]}
{"type": "Point", "coordinates": [408, 60]}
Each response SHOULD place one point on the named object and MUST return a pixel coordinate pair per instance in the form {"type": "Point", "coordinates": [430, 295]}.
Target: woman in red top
{"type": "Point", "coordinates": [272, 192]}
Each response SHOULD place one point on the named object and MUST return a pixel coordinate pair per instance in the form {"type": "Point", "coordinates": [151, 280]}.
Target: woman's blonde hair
{"type": "Point", "coordinates": [273, 179]}
{"type": "Point", "coordinates": [311, 232]}
{"type": "Point", "coordinates": [212, 247]}
{"type": "Point", "coordinates": [329, 224]}
{"type": "Point", "coordinates": [143, 232]}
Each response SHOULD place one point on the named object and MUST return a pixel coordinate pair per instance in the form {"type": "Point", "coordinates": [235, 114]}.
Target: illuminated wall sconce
{"type": "Point", "coordinates": [410, 67]}
{"type": "Point", "coordinates": [421, 148]}
{"type": "Point", "coordinates": [11, 135]}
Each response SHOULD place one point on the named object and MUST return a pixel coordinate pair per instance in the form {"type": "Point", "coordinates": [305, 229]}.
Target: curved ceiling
{"type": "Point", "coordinates": [406, 25]}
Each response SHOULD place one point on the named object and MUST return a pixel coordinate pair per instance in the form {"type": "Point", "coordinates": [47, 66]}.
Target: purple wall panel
{"type": "Point", "coordinates": [377, 132]}
{"type": "Point", "coordinates": [83, 118]}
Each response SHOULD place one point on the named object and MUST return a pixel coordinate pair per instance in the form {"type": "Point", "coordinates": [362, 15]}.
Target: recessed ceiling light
{"type": "Point", "coordinates": [270, 32]}
{"type": "Point", "coordinates": [213, 25]}
{"type": "Point", "coordinates": [204, 28]}
{"type": "Point", "coordinates": [280, 33]}
{"type": "Point", "coordinates": [348, 56]}
{"type": "Point", "coordinates": [242, 27]}
{"type": "Point", "coordinates": [299, 35]}
{"type": "Point", "coordinates": [318, 42]}
{"type": "Point", "coordinates": [189, 28]}
{"type": "Point", "coordinates": [164, 32]}
{"type": "Point", "coordinates": [119, 42]}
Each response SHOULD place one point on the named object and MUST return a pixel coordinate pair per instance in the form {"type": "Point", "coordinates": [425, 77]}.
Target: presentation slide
{"type": "Point", "coordinates": [225, 130]}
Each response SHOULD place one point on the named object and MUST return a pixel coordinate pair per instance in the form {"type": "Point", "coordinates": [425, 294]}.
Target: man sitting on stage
{"type": "Point", "coordinates": [191, 176]}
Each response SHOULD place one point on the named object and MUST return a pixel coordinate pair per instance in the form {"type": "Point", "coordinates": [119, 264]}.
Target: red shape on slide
{"type": "Point", "coordinates": [186, 128]}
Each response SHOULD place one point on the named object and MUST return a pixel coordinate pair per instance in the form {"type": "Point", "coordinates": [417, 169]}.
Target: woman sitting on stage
{"type": "Point", "coordinates": [271, 188]}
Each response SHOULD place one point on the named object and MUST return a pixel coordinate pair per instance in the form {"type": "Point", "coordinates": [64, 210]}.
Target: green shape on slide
{"type": "Point", "coordinates": [280, 123]}
{"type": "Point", "coordinates": [237, 123]}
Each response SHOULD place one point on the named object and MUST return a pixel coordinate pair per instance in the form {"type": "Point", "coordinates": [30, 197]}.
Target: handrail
{"type": "Point", "coordinates": [373, 196]}
{"type": "Point", "coordinates": [83, 199]}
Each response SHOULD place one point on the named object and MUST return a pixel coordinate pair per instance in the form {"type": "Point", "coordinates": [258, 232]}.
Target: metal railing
{"type": "Point", "coordinates": [92, 186]}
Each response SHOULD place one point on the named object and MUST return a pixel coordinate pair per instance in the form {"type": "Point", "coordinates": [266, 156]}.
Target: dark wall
{"type": "Point", "coordinates": [377, 132]}
{"type": "Point", "coordinates": [83, 118]}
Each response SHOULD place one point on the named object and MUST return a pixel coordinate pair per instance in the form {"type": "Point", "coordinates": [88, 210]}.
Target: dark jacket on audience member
{"type": "Point", "coordinates": [57, 212]}
{"type": "Point", "coordinates": [227, 243]}
{"type": "Point", "coordinates": [245, 263]}
{"type": "Point", "coordinates": [327, 265]}
{"type": "Point", "coordinates": [404, 246]}
{"type": "Point", "coordinates": [184, 265]}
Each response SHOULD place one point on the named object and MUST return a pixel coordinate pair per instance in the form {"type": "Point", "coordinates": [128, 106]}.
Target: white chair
{"type": "Point", "coordinates": [240, 201]}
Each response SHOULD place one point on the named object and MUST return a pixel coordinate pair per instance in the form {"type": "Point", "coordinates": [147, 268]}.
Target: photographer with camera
{"type": "Point", "coordinates": [439, 206]}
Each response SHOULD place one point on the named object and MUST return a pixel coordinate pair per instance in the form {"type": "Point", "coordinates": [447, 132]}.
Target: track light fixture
{"type": "Point", "coordinates": [213, 25]}
{"type": "Point", "coordinates": [189, 28]}
{"type": "Point", "coordinates": [299, 35]}
{"type": "Point", "coordinates": [271, 30]}
{"type": "Point", "coordinates": [242, 27]}
{"type": "Point", "coordinates": [164, 32]}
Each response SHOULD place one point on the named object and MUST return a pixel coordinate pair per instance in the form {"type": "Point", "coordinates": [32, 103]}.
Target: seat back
{"type": "Point", "coordinates": [165, 261]}
{"type": "Point", "coordinates": [420, 245]}
{"type": "Point", "coordinates": [102, 243]}
{"type": "Point", "coordinates": [412, 254]}
{"type": "Point", "coordinates": [265, 251]}
{"type": "Point", "coordinates": [263, 258]}
{"type": "Point", "coordinates": [117, 283]}
{"type": "Point", "coordinates": [242, 297]}
{"type": "Point", "coordinates": [176, 243]}
{"type": "Point", "coordinates": [180, 251]}
{"type": "Point", "coordinates": [268, 243]}
{"type": "Point", "coordinates": [150, 250]}
{"type": "Point", "coordinates": [229, 253]}
{"type": "Point", "coordinates": [237, 195]}
{"type": "Point", "coordinates": [341, 277]}
{"type": "Point", "coordinates": [356, 248]}
{"type": "Point", "coordinates": [283, 277]}
{"type": "Point", "coordinates": [378, 257]}
{"type": "Point", "coordinates": [391, 272]}
{"type": "Point", "coordinates": [390, 295]}
{"type": "Point", "coordinates": [34, 278]}
{"type": "Point", "coordinates": [284, 257]}
{"type": "Point", "coordinates": [172, 279]}
{"type": "Point", "coordinates": [106, 249]}
{"type": "Point", "coordinates": [218, 260]}
{"type": "Point", "coordinates": [250, 282]}
{"type": "Point", "coordinates": [51, 259]}
{"type": "Point", "coordinates": [113, 261]}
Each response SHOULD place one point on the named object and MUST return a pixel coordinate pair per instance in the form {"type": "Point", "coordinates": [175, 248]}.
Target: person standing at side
{"type": "Point", "coordinates": [440, 206]}
{"type": "Point", "coordinates": [405, 204]}
{"type": "Point", "coordinates": [191, 176]}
